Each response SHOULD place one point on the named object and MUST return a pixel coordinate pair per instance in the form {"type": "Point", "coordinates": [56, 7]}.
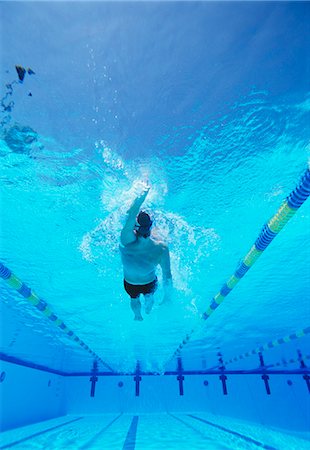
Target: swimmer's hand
{"type": "Point", "coordinates": [144, 192]}
{"type": "Point", "coordinates": [141, 194]}
{"type": "Point", "coordinates": [142, 189]}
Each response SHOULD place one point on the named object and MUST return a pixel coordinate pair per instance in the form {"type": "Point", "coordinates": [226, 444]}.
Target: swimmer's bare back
{"type": "Point", "coordinates": [140, 259]}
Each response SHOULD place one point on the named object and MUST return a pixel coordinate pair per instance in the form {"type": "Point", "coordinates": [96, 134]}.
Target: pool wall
{"type": "Point", "coordinates": [31, 395]}
{"type": "Point", "coordinates": [288, 406]}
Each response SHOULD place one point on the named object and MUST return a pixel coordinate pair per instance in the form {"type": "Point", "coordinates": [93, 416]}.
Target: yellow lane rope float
{"type": "Point", "coordinates": [267, 234]}
{"type": "Point", "coordinates": [271, 344]}
{"type": "Point", "coordinates": [44, 308]}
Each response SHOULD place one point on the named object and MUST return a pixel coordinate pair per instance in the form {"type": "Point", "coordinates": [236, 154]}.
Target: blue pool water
{"type": "Point", "coordinates": [209, 103]}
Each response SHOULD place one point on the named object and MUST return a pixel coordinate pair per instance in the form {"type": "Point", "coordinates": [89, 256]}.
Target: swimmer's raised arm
{"type": "Point", "coordinates": [127, 234]}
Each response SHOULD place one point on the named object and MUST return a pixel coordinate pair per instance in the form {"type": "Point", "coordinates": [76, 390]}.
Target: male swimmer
{"type": "Point", "coordinates": [141, 253]}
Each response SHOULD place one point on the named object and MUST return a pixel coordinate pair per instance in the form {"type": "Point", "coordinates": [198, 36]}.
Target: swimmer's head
{"type": "Point", "coordinates": [143, 224]}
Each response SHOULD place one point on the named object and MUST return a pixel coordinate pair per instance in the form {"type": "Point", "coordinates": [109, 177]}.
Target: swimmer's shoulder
{"type": "Point", "coordinates": [160, 245]}
{"type": "Point", "coordinates": [127, 247]}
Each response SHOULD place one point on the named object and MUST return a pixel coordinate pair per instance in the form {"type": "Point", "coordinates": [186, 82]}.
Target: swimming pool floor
{"type": "Point", "coordinates": [169, 431]}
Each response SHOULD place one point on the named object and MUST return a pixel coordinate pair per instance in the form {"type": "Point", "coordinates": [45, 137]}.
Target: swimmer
{"type": "Point", "coordinates": [141, 254]}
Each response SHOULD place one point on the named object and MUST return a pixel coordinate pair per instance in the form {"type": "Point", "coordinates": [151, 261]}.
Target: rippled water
{"type": "Point", "coordinates": [143, 102]}
{"type": "Point", "coordinates": [65, 209]}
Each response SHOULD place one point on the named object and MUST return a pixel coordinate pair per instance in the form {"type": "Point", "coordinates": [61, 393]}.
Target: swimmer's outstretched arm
{"type": "Point", "coordinates": [127, 234]}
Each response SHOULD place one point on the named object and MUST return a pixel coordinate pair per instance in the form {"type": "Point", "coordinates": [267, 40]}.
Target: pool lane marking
{"type": "Point", "coordinates": [98, 435]}
{"type": "Point", "coordinates": [192, 428]}
{"type": "Point", "coordinates": [130, 441]}
{"type": "Point", "coordinates": [270, 230]}
{"type": "Point", "coordinates": [39, 433]}
{"type": "Point", "coordinates": [235, 433]}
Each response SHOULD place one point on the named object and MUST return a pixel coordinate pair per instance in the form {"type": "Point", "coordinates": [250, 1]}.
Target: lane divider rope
{"type": "Point", "coordinates": [14, 282]}
{"type": "Point", "coordinates": [285, 362]}
{"type": "Point", "coordinates": [286, 211]}
{"type": "Point", "coordinates": [271, 344]}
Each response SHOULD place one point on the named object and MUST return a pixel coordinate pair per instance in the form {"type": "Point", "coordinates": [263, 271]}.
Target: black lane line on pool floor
{"type": "Point", "coordinates": [206, 438]}
{"type": "Point", "coordinates": [235, 433]}
{"type": "Point", "coordinates": [130, 441]}
{"type": "Point", "coordinates": [99, 434]}
{"type": "Point", "coordinates": [39, 433]}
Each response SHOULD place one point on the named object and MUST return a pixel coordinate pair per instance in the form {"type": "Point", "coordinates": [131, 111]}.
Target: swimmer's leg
{"type": "Point", "coordinates": [149, 302]}
{"type": "Point", "coordinates": [136, 307]}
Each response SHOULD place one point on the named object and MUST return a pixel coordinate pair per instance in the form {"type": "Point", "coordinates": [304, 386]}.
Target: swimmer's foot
{"type": "Point", "coordinates": [149, 302]}
{"type": "Point", "coordinates": [139, 318]}
{"type": "Point", "coordinates": [166, 301]}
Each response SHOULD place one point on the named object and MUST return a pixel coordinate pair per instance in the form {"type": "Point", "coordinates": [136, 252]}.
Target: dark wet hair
{"type": "Point", "coordinates": [144, 224]}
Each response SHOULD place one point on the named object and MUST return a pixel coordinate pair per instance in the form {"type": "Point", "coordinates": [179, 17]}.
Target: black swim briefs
{"type": "Point", "coordinates": [134, 290]}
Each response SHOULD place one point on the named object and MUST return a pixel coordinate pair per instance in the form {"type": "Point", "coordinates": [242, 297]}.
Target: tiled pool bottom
{"type": "Point", "coordinates": [169, 431]}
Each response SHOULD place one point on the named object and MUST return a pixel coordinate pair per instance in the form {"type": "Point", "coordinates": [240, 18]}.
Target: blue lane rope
{"type": "Point", "coordinates": [271, 344]}
{"type": "Point", "coordinates": [45, 309]}
{"type": "Point", "coordinates": [286, 211]}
